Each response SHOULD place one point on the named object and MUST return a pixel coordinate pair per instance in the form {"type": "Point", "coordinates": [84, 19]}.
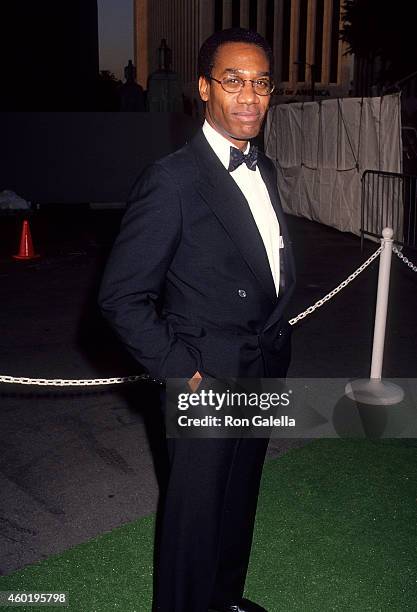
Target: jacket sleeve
{"type": "Point", "coordinates": [135, 274]}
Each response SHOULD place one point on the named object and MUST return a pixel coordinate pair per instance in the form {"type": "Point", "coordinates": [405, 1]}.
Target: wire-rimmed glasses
{"type": "Point", "coordinates": [234, 84]}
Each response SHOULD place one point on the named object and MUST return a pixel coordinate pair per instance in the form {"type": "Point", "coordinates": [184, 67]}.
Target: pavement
{"type": "Point", "coordinates": [80, 462]}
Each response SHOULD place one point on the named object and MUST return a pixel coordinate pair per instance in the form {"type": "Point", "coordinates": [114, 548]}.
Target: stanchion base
{"type": "Point", "coordinates": [374, 391]}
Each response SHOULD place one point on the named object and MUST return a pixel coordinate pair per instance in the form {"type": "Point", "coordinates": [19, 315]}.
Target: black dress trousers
{"type": "Point", "coordinates": [208, 517]}
{"type": "Point", "coordinates": [208, 521]}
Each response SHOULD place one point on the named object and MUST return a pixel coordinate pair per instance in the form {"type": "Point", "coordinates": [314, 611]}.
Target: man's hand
{"type": "Point", "coordinates": [195, 381]}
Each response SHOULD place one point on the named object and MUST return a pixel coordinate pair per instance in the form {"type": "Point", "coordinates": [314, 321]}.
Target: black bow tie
{"type": "Point", "coordinates": [237, 158]}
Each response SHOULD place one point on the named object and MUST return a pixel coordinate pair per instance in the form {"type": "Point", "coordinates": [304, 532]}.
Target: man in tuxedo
{"type": "Point", "coordinates": [197, 285]}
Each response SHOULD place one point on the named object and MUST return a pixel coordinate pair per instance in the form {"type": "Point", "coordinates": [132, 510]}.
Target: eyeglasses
{"type": "Point", "coordinates": [234, 84]}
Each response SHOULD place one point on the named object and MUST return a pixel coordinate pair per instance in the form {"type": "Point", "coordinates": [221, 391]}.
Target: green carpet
{"type": "Point", "coordinates": [336, 530]}
{"type": "Point", "coordinates": [111, 572]}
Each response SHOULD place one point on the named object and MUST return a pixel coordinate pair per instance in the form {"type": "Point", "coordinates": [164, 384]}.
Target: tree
{"type": "Point", "coordinates": [108, 91]}
{"type": "Point", "coordinates": [385, 30]}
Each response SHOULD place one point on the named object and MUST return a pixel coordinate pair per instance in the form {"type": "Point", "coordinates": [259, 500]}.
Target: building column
{"type": "Point", "coordinates": [206, 20]}
{"type": "Point", "coordinates": [278, 28]}
{"type": "Point", "coordinates": [327, 29]}
{"type": "Point", "coordinates": [261, 17]}
{"type": "Point", "coordinates": [311, 31]}
{"type": "Point", "coordinates": [140, 33]}
{"type": "Point", "coordinates": [244, 13]}
{"type": "Point", "coordinates": [295, 18]}
{"type": "Point", "coordinates": [227, 14]}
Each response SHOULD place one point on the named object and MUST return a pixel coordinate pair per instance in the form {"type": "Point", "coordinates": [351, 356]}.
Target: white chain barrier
{"type": "Point", "coordinates": [95, 382]}
{"type": "Point", "coordinates": [409, 263]}
{"type": "Point", "coordinates": [67, 382]}
{"type": "Point", "coordinates": [337, 289]}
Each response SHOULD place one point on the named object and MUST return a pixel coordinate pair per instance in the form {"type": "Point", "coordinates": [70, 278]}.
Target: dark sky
{"type": "Point", "coordinates": [115, 31]}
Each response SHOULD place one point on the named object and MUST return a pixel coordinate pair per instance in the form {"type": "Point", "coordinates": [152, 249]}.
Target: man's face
{"type": "Point", "coordinates": [237, 116]}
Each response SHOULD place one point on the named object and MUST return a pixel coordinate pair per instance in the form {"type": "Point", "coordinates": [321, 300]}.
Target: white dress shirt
{"type": "Point", "coordinates": [254, 189]}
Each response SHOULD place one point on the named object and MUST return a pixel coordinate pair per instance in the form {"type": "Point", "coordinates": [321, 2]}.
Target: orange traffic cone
{"type": "Point", "coordinates": [26, 250]}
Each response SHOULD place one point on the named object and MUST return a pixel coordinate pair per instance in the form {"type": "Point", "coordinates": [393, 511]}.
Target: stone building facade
{"type": "Point", "coordinates": [304, 35]}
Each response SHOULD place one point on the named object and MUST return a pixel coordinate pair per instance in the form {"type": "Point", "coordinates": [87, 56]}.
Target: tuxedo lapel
{"type": "Point", "coordinates": [219, 190]}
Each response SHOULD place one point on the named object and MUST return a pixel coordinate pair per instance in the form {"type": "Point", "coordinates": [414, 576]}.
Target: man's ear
{"type": "Point", "coordinates": [203, 88]}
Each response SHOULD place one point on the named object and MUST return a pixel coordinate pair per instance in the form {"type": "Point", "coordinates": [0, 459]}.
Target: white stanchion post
{"type": "Point", "coordinates": [382, 304]}
{"type": "Point", "coordinates": [374, 390]}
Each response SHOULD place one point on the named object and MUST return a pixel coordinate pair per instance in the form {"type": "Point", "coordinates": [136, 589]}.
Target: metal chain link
{"type": "Point", "coordinates": [66, 382]}
{"type": "Point", "coordinates": [332, 293]}
{"type": "Point", "coordinates": [90, 382]}
{"type": "Point", "coordinates": [409, 263]}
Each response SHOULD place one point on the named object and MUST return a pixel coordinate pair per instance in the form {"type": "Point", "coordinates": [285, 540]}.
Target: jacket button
{"type": "Point", "coordinates": [242, 293]}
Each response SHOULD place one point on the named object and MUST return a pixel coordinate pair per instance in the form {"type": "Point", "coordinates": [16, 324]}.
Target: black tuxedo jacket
{"type": "Point", "coordinates": [188, 285]}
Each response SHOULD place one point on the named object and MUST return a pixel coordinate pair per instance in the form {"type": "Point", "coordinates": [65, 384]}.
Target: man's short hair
{"type": "Point", "coordinates": [209, 48]}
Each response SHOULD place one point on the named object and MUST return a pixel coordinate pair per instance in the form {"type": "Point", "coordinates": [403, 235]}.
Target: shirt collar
{"type": "Point", "coordinates": [219, 144]}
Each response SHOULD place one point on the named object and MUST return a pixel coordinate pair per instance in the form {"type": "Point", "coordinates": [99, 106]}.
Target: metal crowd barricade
{"type": "Point", "coordinates": [389, 199]}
